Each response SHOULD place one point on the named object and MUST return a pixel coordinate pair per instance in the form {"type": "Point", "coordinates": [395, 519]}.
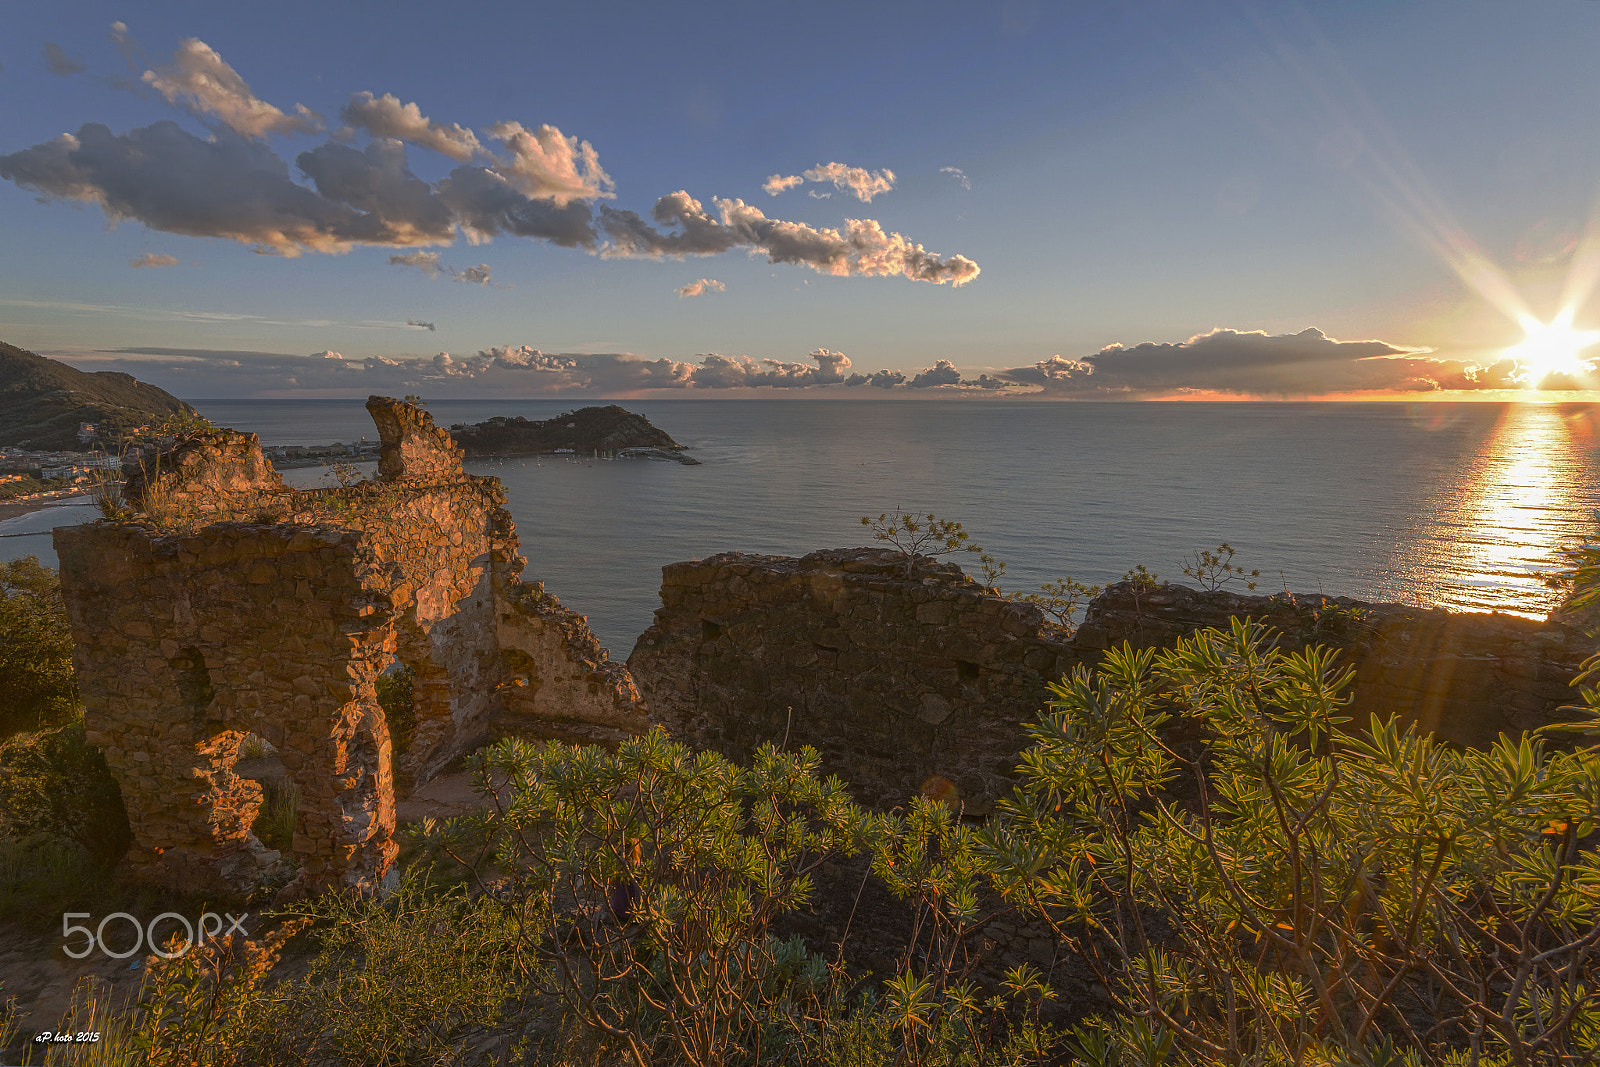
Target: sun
{"type": "Point", "coordinates": [1551, 348]}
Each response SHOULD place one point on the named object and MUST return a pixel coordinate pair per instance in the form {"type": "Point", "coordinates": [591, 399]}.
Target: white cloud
{"type": "Point", "coordinates": [200, 80]}
{"type": "Point", "coordinates": [863, 247]}
{"type": "Point", "coordinates": [153, 259]}
{"type": "Point", "coordinates": [958, 174]}
{"type": "Point", "coordinates": [232, 185]}
{"type": "Point", "coordinates": [545, 164]}
{"type": "Point", "coordinates": [511, 371]}
{"type": "Point", "coordinates": [778, 183]}
{"type": "Point", "coordinates": [857, 181]}
{"type": "Point", "coordinates": [701, 286]}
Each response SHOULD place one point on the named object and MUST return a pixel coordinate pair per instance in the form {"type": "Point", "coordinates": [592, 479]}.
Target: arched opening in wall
{"type": "Point", "coordinates": [395, 688]}
{"type": "Point", "coordinates": [193, 685]}
{"type": "Point", "coordinates": [280, 795]}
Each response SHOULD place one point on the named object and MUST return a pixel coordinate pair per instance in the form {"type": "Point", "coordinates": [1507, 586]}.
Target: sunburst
{"type": "Point", "coordinates": [1552, 347]}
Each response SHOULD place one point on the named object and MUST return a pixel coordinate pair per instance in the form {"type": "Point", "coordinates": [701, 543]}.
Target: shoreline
{"type": "Point", "coordinates": [11, 509]}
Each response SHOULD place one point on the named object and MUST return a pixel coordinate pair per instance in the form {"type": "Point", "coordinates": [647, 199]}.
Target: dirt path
{"type": "Point", "coordinates": [36, 971]}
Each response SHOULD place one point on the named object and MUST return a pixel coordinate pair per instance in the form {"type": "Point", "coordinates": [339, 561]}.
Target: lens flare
{"type": "Point", "coordinates": [1551, 348]}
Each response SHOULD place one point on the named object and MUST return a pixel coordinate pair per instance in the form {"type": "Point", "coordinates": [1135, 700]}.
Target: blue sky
{"type": "Point", "coordinates": [1201, 184]}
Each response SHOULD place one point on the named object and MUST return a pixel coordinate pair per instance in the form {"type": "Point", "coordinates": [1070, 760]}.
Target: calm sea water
{"type": "Point", "coordinates": [1454, 505]}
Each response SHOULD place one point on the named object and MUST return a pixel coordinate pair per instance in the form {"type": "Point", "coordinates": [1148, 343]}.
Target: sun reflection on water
{"type": "Point", "coordinates": [1518, 505]}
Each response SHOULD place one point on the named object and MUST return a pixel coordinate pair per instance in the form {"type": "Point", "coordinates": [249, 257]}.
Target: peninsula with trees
{"type": "Point", "coordinates": [587, 431]}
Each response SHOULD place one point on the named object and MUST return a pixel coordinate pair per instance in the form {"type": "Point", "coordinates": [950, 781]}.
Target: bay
{"type": "Point", "coordinates": [1457, 505]}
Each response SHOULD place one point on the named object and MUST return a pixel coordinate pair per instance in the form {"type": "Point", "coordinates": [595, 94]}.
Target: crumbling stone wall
{"type": "Point", "coordinates": [895, 680]}
{"type": "Point", "coordinates": [1465, 677]}
{"type": "Point", "coordinates": [229, 604]}
{"type": "Point", "coordinates": [898, 681]}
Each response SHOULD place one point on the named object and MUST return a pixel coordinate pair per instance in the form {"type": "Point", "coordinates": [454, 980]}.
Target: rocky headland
{"type": "Point", "coordinates": [587, 431]}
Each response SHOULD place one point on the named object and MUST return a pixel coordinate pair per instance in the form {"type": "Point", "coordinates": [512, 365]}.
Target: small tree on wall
{"type": "Point", "coordinates": [919, 535]}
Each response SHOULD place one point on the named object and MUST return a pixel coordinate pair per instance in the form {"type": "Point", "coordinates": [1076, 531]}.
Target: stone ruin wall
{"type": "Point", "coordinates": [1466, 677]}
{"type": "Point", "coordinates": [226, 604]}
{"type": "Point", "coordinates": [894, 680]}
{"type": "Point", "coordinates": [899, 681]}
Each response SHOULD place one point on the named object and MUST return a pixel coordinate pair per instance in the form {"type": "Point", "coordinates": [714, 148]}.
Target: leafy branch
{"type": "Point", "coordinates": [920, 535]}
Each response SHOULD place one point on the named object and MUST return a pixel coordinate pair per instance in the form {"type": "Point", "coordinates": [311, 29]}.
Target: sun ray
{"type": "Point", "coordinates": [1552, 347]}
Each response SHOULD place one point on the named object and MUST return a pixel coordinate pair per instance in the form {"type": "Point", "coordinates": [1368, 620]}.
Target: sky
{"type": "Point", "coordinates": [1062, 200]}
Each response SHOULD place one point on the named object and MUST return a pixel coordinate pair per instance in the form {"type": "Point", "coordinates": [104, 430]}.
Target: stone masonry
{"type": "Point", "coordinates": [895, 680]}
{"type": "Point", "coordinates": [900, 682]}
{"type": "Point", "coordinates": [223, 603]}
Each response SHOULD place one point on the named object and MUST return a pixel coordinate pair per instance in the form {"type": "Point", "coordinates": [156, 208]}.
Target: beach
{"type": "Point", "coordinates": [10, 509]}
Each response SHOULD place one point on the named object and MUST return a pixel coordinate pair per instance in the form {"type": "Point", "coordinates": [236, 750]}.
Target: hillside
{"type": "Point", "coordinates": [43, 401]}
{"type": "Point", "coordinates": [603, 429]}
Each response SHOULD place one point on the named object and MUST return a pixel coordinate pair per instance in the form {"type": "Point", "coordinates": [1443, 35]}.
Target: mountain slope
{"type": "Point", "coordinates": [43, 401]}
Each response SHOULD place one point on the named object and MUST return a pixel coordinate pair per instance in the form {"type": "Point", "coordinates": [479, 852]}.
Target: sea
{"type": "Point", "coordinates": [1464, 506]}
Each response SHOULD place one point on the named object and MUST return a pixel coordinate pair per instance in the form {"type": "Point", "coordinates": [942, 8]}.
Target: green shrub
{"type": "Point", "coordinates": [393, 981]}
{"type": "Point", "coordinates": [647, 881]}
{"type": "Point", "coordinates": [1320, 896]}
{"type": "Point", "coordinates": [274, 823]}
{"type": "Point", "coordinates": [56, 785]}
{"type": "Point", "coordinates": [396, 698]}
{"type": "Point", "coordinates": [40, 690]}
{"type": "Point", "coordinates": [915, 536]}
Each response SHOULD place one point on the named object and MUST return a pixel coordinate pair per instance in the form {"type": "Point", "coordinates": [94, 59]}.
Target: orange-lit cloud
{"type": "Point", "coordinates": [1254, 363]}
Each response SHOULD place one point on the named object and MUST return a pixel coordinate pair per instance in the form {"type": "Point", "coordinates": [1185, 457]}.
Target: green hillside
{"type": "Point", "coordinates": [43, 401]}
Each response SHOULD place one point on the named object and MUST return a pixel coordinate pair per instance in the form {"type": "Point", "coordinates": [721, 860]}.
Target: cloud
{"type": "Point", "coordinates": [421, 325]}
{"type": "Point", "coordinates": [386, 116]}
{"type": "Point", "coordinates": [547, 165]}
{"type": "Point", "coordinates": [485, 204]}
{"type": "Point", "coordinates": [122, 40]}
{"type": "Point", "coordinates": [941, 373]}
{"type": "Point", "coordinates": [1254, 363]}
{"type": "Point", "coordinates": [701, 286]}
{"type": "Point", "coordinates": [857, 181]}
{"type": "Point", "coordinates": [503, 370]}
{"type": "Point", "coordinates": [959, 175]}
{"type": "Point", "coordinates": [862, 248]}
{"type": "Point", "coordinates": [429, 263]}
{"type": "Point", "coordinates": [56, 58]}
{"type": "Point", "coordinates": [200, 80]}
{"type": "Point", "coordinates": [152, 259]}
{"type": "Point", "coordinates": [778, 183]}
{"type": "Point", "coordinates": [541, 184]}
{"type": "Point", "coordinates": [173, 181]}
{"type": "Point", "coordinates": [813, 194]}
{"type": "Point", "coordinates": [395, 206]}
{"type": "Point", "coordinates": [883, 379]}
